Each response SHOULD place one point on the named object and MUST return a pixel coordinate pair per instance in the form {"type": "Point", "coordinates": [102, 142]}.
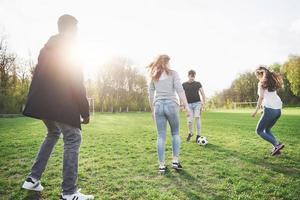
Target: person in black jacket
{"type": "Point", "coordinates": [57, 96]}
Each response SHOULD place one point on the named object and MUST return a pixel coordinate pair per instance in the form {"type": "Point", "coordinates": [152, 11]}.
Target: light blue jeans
{"type": "Point", "coordinates": [167, 111]}
{"type": "Point", "coordinates": [265, 124]}
{"type": "Point", "coordinates": [196, 113]}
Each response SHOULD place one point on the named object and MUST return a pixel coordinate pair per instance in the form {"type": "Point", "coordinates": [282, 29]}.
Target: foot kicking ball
{"type": "Point", "coordinates": [202, 141]}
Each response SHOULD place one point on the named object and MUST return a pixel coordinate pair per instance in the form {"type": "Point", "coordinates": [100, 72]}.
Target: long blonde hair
{"type": "Point", "coordinates": [158, 66]}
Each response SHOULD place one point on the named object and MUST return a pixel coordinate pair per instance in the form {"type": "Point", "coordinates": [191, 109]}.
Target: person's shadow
{"type": "Point", "coordinates": [32, 195]}
{"type": "Point", "coordinates": [288, 171]}
{"type": "Point", "coordinates": [185, 176]}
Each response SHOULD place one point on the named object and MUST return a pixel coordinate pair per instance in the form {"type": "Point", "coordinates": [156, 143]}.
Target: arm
{"type": "Point", "coordinates": [181, 93]}
{"type": "Point", "coordinates": [202, 95]}
{"type": "Point", "coordinates": [79, 94]}
{"type": "Point", "coordinates": [259, 101]}
{"type": "Point", "coordinates": [151, 91]}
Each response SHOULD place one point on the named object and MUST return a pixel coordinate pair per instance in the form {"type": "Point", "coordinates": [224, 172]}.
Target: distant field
{"type": "Point", "coordinates": [118, 159]}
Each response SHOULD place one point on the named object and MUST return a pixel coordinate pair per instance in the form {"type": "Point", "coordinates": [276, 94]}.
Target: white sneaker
{"type": "Point", "coordinates": [32, 184]}
{"type": "Point", "coordinates": [76, 196]}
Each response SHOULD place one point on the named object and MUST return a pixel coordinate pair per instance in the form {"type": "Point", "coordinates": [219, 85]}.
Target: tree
{"type": "Point", "coordinates": [292, 70]}
{"type": "Point", "coordinates": [120, 87]}
{"type": "Point", "coordinates": [14, 79]}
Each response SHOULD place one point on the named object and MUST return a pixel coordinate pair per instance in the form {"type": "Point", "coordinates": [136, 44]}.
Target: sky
{"type": "Point", "coordinates": [219, 39]}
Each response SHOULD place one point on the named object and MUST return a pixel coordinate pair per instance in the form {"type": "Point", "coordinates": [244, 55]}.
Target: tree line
{"type": "Point", "coordinates": [118, 86]}
{"type": "Point", "coordinates": [244, 87]}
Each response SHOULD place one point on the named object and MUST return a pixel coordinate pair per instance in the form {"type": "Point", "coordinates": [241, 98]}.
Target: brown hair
{"type": "Point", "coordinates": [158, 66]}
{"type": "Point", "coordinates": [271, 80]}
{"type": "Point", "coordinates": [192, 73]}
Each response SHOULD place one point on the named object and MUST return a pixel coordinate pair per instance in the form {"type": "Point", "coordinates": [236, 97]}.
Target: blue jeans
{"type": "Point", "coordinates": [196, 112]}
{"type": "Point", "coordinates": [265, 124]}
{"type": "Point", "coordinates": [167, 111]}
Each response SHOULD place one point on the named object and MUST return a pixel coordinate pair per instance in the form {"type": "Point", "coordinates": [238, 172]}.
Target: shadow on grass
{"type": "Point", "coordinates": [32, 195]}
{"type": "Point", "coordinates": [189, 193]}
{"type": "Point", "coordinates": [288, 171]}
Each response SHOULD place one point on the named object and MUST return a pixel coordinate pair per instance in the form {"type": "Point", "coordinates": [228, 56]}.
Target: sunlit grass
{"type": "Point", "coordinates": [118, 159]}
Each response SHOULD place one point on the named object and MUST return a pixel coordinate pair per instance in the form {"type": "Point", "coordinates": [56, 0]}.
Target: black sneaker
{"type": "Point", "coordinates": [189, 137]}
{"type": "Point", "coordinates": [177, 165]}
{"type": "Point", "coordinates": [277, 153]}
{"type": "Point", "coordinates": [162, 170]}
{"type": "Point", "coordinates": [197, 137]}
{"type": "Point", "coordinates": [277, 149]}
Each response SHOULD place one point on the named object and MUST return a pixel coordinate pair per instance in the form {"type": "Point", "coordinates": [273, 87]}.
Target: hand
{"type": "Point", "coordinates": [202, 106]}
{"type": "Point", "coordinates": [254, 114]}
{"type": "Point", "coordinates": [153, 115]}
{"type": "Point", "coordinates": [85, 120]}
{"type": "Point", "coordinates": [188, 113]}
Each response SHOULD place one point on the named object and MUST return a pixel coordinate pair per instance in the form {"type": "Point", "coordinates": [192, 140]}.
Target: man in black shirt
{"type": "Point", "coordinates": [196, 99]}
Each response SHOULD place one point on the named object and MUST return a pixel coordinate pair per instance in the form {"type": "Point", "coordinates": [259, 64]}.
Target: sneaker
{"type": "Point", "coordinates": [162, 170]}
{"type": "Point", "coordinates": [197, 137]}
{"type": "Point", "coordinates": [177, 165]}
{"type": "Point", "coordinates": [76, 196]}
{"type": "Point", "coordinates": [277, 153]}
{"type": "Point", "coordinates": [277, 149]}
{"type": "Point", "coordinates": [189, 137]}
{"type": "Point", "coordinates": [32, 184]}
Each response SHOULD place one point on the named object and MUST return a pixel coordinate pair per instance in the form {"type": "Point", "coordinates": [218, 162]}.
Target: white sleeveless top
{"type": "Point", "coordinates": [271, 99]}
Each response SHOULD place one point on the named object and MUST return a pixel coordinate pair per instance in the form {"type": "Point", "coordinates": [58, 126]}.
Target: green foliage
{"type": "Point", "coordinates": [244, 87]}
{"type": "Point", "coordinates": [118, 159]}
{"type": "Point", "coordinates": [292, 70]}
{"type": "Point", "coordinates": [14, 80]}
{"type": "Point", "coordinates": [120, 87]}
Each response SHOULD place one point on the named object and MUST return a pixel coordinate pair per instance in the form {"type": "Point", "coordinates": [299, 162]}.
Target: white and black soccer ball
{"type": "Point", "coordinates": [202, 141]}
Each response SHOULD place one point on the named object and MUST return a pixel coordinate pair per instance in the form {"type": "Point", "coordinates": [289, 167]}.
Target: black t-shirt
{"type": "Point", "coordinates": [192, 91]}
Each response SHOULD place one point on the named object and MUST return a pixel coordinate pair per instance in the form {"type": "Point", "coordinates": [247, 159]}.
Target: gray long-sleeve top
{"type": "Point", "coordinates": [165, 88]}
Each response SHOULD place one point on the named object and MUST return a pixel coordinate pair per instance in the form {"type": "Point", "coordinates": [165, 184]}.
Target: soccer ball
{"type": "Point", "coordinates": [202, 141]}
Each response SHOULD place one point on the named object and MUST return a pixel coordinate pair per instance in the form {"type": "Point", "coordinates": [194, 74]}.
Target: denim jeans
{"type": "Point", "coordinates": [265, 124]}
{"type": "Point", "coordinates": [196, 112]}
{"type": "Point", "coordinates": [72, 141]}
{"type": "Point", "coordinates": [167, 111]}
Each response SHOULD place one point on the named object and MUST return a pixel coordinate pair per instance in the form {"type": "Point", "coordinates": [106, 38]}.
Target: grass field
{"type": "Point", "coordinates": [118, 159]}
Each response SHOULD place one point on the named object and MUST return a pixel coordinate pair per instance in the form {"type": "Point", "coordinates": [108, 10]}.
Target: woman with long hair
{"type": "Point", "coordinates": [164, 85]}
{"type": "Point", "coordinates": [269, 82]}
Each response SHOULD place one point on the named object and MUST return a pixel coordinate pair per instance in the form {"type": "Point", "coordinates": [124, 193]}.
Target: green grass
{"type": "Point", "coordinates": [118, 159]}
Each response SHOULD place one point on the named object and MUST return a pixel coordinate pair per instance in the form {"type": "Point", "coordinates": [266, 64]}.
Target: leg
{"type": "Point", "coordinates": [271, 124]}
{"type": "Point", "coordinates": [197, 114]}
{"type": "Point", "coordinates": [265, 119]}
{"type": "Point", "coordinates": [190, 120]}
{"type": "Point", "coordinates": [72, 141]}
{"type": "Point", "coordinates": [172, 113]}
{"type": "Point", "coordinates": [45, 150]}
{"type": "Point", "coordinates": [190, 124]}
{"type": "Point", "coordinates": [198, 121]}
{"type": "Point", "coordinates": [161, 126]}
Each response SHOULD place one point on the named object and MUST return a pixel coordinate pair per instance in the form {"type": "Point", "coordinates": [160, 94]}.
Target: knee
{"type": "Point", "coordinates": [259, 131]}
{"type": "Point", "coordinates": [53, 135]}
{"type": "Point", "coordinates": [174, 133]}
{"type": "Point", "coordinates": [190, 120]}
{"type": "Point", "coordinates": [72, 142]}
{"type": "Point", "coordinates": [161, 135]}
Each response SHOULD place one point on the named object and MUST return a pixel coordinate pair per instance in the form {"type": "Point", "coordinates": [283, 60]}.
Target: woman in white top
{"type": "Point", "coordinates": [269, 82]}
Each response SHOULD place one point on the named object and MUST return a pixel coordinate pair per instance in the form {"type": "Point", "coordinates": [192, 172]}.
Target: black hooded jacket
{"type": "Point", "coordinates": [57, 92]}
